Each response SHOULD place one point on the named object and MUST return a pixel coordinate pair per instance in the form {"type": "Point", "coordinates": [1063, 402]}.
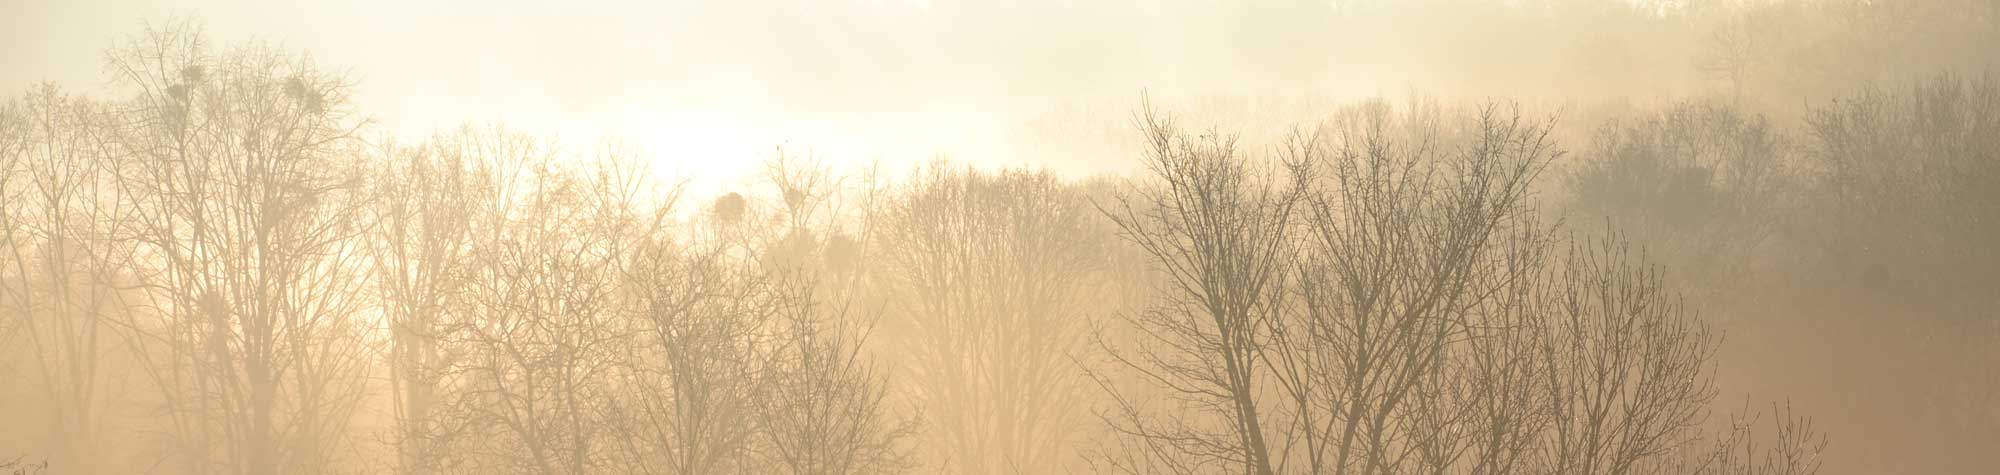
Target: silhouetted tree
{"type": "Point", "coordinates": [1217, 226]}
{"type": "Point", "coordinates": [247, 208]}
{"type": "Point", "coordinates": [1420, 244]}
{"type": "Point", "coordinates": [1417, 324]}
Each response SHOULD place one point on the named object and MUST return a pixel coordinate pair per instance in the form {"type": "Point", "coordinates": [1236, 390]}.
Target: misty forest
{"type": "Point", "coordinates": [1371, 237]}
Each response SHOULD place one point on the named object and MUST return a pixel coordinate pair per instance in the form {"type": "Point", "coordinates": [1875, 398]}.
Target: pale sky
{"type": "Point", "coordinates": [709, 88]}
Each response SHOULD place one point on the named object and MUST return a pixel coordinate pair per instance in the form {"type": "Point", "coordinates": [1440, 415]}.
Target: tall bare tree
{"type": "Point", "coordinates": [247, 211]}
{"type": "Point", "coordinates": [422, 242]}
{"type": "Point", "coordinates": [1218, 227]}
{"type": "Point", "coordinates": [1417, 326]}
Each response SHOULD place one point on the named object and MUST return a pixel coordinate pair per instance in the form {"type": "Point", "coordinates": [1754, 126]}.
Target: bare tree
{"type": "Point", "coordinates": [422, 216]}
{"type": "Point", "coordinates": [1420, 247]}
{"type": "Point", "coordinates": [532, 364]}
{"type": "Point", "coordinates": [708, 307]}
{"type": "Point", "coordinates": [1899, 218]}
{"type": "Point", "coordinates": [708, 319]}
{"type": "Point", "coordinates": [1701, 185]}
{"type": "Point", "coordinates": [1629, 373]}
{"type": "Point", "coordinates": [1419, 325]}
{"type": "Point", "coordinates": [1218, 227]}
{"type": "Point", "coordinates": [247, 214]}
{"type": "Point", "coordinates": [827, 411]}
{"type": "Point", "coordinates": [67, 259]}
{"type": "Point", "coordinates": [1794, 447]}
{"type": "Point", "coordinates": [729, 336]}
{"type": "Point", "coordinates": [987, 276]}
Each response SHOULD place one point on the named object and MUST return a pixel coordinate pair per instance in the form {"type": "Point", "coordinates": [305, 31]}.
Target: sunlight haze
{"type": "Point", "coordinates": [992, 237]}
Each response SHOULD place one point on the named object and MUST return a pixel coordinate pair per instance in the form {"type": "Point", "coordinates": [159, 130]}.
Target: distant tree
{"type": "Point", "coordinates": [1704, 186]}
{"type": "Point", "coordinates": [1892, 161]}
{"type": "Point", "coordinates": [737, 366]}
{"type": "Point", "coordinates": [1743, 46]}
{"type": "Point", "coordinates": [987, 278]}
{"type": "Point", "coordinates": [1781, 54]}
{"type": "Point", "coordinates": [1901, 212]}
{"type": "Point", "coordinates": [67, 276]}
{"type": "Point", "coordinates": [14, 148]}
{"type": "Point", "coordinates": [808, 216]}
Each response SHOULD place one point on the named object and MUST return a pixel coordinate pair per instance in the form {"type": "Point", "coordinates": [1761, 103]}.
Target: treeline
{"type": "Point", "coordinates": [217, 274]}
{"type": "Point", "coordinates": [1598, 59]}
{"type": "Point", "coordinates": [1848, 251]}
{"type": "Point", "coordinates": [222, 271]}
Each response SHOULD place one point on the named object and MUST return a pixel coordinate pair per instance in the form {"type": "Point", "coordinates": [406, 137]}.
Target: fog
{"type": "Point", "coordinates": [1043, 236]}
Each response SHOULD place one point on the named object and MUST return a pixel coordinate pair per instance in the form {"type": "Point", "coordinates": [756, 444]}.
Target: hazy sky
{"type": "Point", "coordinates": [711, 87]}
